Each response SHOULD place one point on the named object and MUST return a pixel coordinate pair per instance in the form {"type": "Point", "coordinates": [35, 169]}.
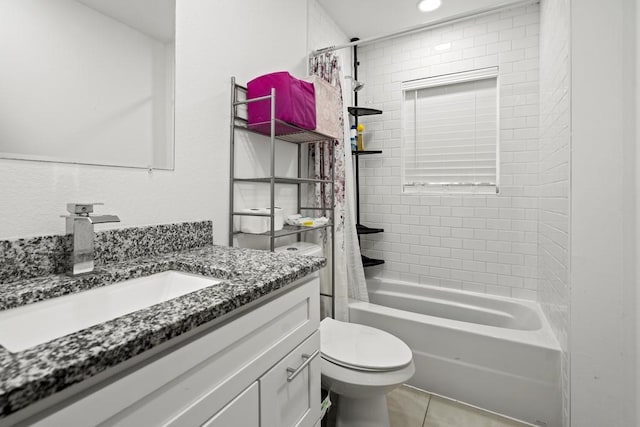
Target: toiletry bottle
{"type": "Point", "coordinates": [354, 147]}
{"type": "Point", "coordinates": [360, 137]}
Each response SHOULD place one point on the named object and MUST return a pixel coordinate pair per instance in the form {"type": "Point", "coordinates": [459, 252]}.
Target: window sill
{"type": "Point", "coordinates": [450, 189]}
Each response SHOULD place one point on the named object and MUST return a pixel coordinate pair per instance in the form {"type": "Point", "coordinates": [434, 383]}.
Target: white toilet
{"type": "Point", "coordinates": [359, 363]}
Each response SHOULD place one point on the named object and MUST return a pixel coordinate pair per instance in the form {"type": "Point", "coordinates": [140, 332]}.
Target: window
{"type": "Point", "coordinates": [451, 133]}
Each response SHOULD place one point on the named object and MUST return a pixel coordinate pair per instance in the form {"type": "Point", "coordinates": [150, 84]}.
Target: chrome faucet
{"type": "Point", "coordinates": [80, 226]}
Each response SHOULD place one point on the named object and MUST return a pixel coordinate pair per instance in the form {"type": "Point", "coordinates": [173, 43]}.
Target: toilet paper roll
{"type": "Point", "coordinates": [260, 224]}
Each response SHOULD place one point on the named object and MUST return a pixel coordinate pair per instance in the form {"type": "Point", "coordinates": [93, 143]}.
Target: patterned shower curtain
{"type": "Point", "coordinates": [349, 274]}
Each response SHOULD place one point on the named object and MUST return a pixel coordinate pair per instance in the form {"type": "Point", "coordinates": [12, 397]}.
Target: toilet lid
{"type": "Point", "coordinates": [362, 347]}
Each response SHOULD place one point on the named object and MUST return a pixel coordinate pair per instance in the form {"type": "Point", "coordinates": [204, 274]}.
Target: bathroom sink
{"type": "Point", "coordinates": [33, 324]}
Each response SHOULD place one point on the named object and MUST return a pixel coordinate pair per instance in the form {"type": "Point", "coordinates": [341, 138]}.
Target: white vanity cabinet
{"type": "Point", "coordinates": [244, 410]}
{"type": "Point", "coordinates": [260, 368]}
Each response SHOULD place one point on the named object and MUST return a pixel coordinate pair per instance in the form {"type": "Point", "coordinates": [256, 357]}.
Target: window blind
{"type": "Point", "coordinates": [450, 132]}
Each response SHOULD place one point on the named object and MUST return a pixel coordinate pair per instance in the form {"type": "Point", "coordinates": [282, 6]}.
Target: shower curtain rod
{"type": "Point", "coordinates": [433, 24]}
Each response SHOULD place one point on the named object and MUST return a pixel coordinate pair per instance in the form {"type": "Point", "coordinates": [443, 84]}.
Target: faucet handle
{"type": "Point", "coordinates": [81, 208]}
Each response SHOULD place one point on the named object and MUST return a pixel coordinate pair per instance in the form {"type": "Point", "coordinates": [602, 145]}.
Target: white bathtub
{"type": "Point", "coordinates": [493, 352]}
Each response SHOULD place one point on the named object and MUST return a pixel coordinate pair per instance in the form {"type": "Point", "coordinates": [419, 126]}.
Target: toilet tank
{"type": "Point", "coordinates": [326, 289]}
{"type": "Point", "coordinates": [301, 248]}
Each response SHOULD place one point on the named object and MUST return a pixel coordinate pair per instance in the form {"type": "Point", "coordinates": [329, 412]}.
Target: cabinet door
{"type": "Point", "coordinates": [290, 391]}
{"type": "Point", "coordinates": [241, 411]}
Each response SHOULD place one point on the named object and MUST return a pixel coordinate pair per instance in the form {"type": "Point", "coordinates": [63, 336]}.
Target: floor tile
{"type": "Point", "coordinates": [448, 413]}
{"type": "Point", "coordinates": [407, 407]}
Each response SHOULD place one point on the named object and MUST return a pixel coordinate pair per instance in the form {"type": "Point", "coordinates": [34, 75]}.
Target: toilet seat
{"type": "Point", "coordinates": [362, 348]}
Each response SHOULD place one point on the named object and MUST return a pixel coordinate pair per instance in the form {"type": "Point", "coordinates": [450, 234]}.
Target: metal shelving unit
{"type": "Point", "coordinates": [278, 130]}
{"type": "Point", "coordinates": [363, 229]}
{"type": "Point", "coordinates": [358, 111]}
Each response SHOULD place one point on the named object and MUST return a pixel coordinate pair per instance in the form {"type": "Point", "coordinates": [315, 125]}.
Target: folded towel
{"type": "Point", "coordinates": [328, 107]}
{"type": "Point", "coordinates": [306, 221]}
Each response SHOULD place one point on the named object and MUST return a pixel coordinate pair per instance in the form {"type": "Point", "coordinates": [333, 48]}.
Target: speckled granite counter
{"type": "Point", "coordinates": [33, 374]}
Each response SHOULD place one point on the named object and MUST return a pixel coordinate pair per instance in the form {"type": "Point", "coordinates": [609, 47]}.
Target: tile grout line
{"type": "Point", "coordinates": [424, 420]}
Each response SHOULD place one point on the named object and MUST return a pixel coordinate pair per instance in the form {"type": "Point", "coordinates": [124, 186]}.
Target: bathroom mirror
{"type": "Point", "coordinates": [88, 81]}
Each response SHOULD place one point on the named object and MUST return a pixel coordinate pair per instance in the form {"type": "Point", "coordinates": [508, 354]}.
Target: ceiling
{"type": "Point", "coordinates": [155, 18]}
{"type": "Point", "coordinates": [371, 18]}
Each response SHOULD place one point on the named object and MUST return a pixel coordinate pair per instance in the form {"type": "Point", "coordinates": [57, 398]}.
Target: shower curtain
{"type": "Point", "coordinates": [349, 274]}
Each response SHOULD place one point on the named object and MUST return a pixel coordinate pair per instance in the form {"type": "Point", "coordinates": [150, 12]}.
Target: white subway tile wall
{"type": "Point", "coordinates": [555, 138]}
{"type": "Point", "coordinates": [480, 243]}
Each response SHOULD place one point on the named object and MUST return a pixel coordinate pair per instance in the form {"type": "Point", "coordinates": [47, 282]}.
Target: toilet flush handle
{"type": "Point", "coordinates": [307, 359]}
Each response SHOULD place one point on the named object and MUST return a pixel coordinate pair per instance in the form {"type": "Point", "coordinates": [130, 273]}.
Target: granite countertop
{"type": "Point", "coordinates": [40, 371]}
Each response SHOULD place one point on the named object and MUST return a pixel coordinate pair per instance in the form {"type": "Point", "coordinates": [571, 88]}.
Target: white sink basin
{"type": "Point", "coordinates": [33, 324]}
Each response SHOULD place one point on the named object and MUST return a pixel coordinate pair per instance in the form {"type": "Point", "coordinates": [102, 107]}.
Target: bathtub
{"type": "Point", "coordinates": [492, 352]}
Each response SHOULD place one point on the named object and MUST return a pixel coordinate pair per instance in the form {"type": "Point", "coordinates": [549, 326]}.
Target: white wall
{"type": "Point", "coordinates": [215, 40]}
{"type": "Point", "coordinates": [80, 86]}
{"type": "Point", "coordinates": [636, 368]}
{"type": "Point", "coordinates": [604, 308]}
{"type": "Point", "coordinates": [324, 32]}
{"type": "Point", "coordinates": [554, 161]}
{"type": "Point", "coordinates": [481, 243]}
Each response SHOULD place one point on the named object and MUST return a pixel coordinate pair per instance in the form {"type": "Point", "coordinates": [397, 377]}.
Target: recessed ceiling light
{"type": "Point", "coordinates": [429, 5]}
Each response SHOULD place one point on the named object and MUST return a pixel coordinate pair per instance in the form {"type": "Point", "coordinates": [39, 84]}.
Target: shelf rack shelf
{"type": "Point", "coordinates": [289, 230]}
{"type": "Point", "coordinates": [363, 229]}
{"type": "Point", "coordinates": [284, 132]}
{"type": "Point", "coordinates": [365, 152]}
{"type": "Point", "coordinates": [363, 111]}
{"type": "Point", "coordinates": [285, 180]}
{"type": "Point", "coordinates": [370, 262]}
{"type": "Point", "coordinates": [276, 129]}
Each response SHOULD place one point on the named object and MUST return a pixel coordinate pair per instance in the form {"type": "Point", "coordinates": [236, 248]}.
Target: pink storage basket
{"type": "Point", "coordinates": [295, 100]}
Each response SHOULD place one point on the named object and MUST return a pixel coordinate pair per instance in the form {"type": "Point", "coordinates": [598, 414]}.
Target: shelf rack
{"type": "Point", "coordinates": [363, 229]}
{"type": "Point", "coordinates": [276, 129]}
{"type": "Point", "coordinates": [358, 111]}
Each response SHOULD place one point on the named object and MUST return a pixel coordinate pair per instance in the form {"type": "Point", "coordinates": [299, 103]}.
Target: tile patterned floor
{"type": "Point", "coordinates": [410, 407]}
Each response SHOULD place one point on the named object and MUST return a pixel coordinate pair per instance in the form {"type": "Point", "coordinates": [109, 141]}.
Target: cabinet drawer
{"type": "Point", "coordinates": [290, 391]}
{"type": "Point", "coordinates": [242, 411]}
{"type": "Point", "coordinates": [189, 384]}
